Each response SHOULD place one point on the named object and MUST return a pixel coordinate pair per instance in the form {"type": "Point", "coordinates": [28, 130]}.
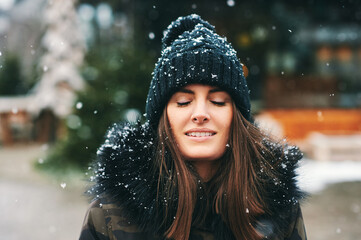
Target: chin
{"type": "Point", "coordinates": [203, 155]}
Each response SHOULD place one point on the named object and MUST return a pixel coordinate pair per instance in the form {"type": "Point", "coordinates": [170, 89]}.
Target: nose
{"type": "Point", "coordinates": [200, 114]}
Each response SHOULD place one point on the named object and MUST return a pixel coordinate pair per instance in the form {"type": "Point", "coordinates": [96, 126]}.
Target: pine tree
{"type": "Point", "coordinates": [64, 50]}
{"type": "Point", "coordinates": [10, 77]}
{"type": "Point", "coordinates": [117, 80]}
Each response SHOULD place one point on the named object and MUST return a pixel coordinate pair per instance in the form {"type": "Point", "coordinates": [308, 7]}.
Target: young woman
{"type": "Point", "coordinates": [199, 168]}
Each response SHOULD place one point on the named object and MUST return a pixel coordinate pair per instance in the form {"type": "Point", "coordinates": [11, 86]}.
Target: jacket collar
{"type": "Point", "coordinates": [125, 175]}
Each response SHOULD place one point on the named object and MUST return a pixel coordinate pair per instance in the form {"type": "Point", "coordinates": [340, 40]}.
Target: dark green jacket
{"type": "Point", "coordinates": [105, 221]}
{"type": "Point", "coordinates": [125, 189]}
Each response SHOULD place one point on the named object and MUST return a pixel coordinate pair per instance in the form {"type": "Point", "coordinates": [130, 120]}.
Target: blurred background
{"type": "Point", "coordinates": [68, 69]}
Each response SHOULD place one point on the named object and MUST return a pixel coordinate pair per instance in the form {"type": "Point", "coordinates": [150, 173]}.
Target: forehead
{"type": "Point", "coordinates": [192, 88]}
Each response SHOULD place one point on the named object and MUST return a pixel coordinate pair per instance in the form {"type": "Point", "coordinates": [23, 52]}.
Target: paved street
{"type": "Point", "coordinates": [34, 205]}
{"type": "Point", "coordinates": [334, 213]}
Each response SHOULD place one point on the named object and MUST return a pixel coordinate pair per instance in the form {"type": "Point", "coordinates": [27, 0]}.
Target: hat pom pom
{"type": "Point", "coordinates": [181, 25]}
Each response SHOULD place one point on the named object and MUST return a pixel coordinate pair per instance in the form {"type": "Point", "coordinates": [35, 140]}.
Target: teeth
{"type": "Point", "coordinates": [200, 134]}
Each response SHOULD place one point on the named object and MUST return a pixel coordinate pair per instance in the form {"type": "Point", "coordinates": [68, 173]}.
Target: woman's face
{"type": "Point", "coordinates": [200, 117]}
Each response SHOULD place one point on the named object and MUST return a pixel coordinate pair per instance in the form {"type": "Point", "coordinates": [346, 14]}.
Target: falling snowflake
{"type": "Point", "coordinates": [151, 35]}
{"type": "Point", "coordinates": [79, 105]}
{"type": "Point", "coordinates": [231, 3]}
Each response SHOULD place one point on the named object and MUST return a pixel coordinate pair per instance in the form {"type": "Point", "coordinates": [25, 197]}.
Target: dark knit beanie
{"type": "Point", "coordinates": [194, 53]}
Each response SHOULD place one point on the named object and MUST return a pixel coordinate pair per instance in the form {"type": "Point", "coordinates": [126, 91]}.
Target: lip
{"type": "Point", "coordinates": [200, 130]}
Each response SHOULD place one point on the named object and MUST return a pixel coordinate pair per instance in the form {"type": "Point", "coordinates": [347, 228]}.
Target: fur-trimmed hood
{"type": "Point", "coordinates": [124, 174]}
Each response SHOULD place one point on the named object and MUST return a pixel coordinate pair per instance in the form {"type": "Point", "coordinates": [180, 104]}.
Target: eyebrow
{"type": "Point", "coordinates": [183, 90]}
{"type": "Point", "coordinates": [214, 90]}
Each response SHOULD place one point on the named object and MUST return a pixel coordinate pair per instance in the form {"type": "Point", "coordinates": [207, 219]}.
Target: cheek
{"type": "Point", "coordinates": [227, 130]}
{"type": "Point", "coordinates": [171, 115]}
{"type": "Point", "coordinates": [226, 120]}
{"type": "Point", "coordinates": [177, 120]}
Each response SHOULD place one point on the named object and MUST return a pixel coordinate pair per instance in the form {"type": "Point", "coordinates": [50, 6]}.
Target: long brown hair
{"type": "Point", "coordinates": [238, 198]}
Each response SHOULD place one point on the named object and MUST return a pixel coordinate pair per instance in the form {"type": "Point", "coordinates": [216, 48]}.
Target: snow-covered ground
{"type": "Point", "coordinates": [315, 175]}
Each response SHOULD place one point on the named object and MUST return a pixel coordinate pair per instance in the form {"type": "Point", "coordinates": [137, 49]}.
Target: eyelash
{"type": "Point", "coordinates": [218, 103]}
{"type": "Point", "coordinates": [183, 104]}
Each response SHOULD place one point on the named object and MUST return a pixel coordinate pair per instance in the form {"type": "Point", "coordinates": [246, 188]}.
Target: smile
{"type": "Point", "coordinates": [200, 134]}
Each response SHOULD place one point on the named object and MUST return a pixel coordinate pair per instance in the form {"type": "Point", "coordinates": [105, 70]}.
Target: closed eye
{"type": "Point", "coordinates": [218, 103]}
{"type": "Point", "coordinates": [182, 104]}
